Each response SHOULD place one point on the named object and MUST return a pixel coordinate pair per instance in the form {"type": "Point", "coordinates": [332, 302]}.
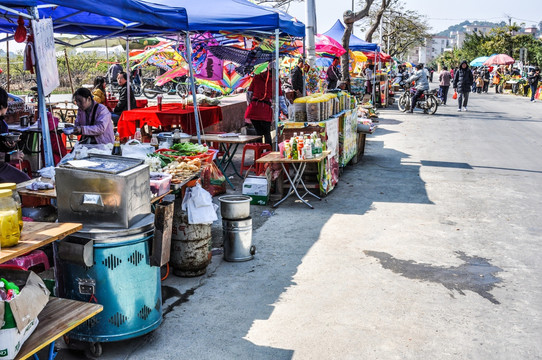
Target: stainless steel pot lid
{"type": "Point", "coordinates": [107, 164]}
{"type": "Point", "coordinates": [144, 224]}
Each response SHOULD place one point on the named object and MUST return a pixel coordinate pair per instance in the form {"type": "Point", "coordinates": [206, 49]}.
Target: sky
{"type": "Point", "coordinates": [440, 14]}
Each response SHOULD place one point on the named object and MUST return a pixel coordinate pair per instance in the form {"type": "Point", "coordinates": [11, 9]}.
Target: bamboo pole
{"type": "Point", "coordinates": [68, 67]}
{"type": "Point", "coordinates": [7, 57]}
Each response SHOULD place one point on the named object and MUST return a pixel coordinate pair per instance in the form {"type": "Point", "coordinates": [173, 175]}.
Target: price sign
{"type": "Point", "coordinates": [44, 49]}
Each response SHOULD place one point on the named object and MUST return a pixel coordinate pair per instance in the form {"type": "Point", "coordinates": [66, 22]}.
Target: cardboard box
{"type": "Point", "coordinates": [11, 340]}
{"type": "Point", "coordinates": [258, 187]}
{"type": "Point", "coordinates": [25, 309]}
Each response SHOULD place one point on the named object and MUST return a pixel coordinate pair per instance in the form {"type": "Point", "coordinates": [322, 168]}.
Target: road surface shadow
{"type": "Point", "coordinates": [476, 274]}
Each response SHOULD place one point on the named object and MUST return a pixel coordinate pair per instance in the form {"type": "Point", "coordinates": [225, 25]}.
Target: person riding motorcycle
{"type": "Point", "coordinates": [421, 84]}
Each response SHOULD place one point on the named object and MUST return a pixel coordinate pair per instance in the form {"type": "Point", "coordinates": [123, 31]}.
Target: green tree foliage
{"type": "Point", "coordinates": [500, 40]}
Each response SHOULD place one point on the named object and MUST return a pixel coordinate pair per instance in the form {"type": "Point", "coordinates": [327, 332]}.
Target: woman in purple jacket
{"type": "Point", "coordinates": [93, 120]}
{"type": "Point", "coordinates": [444, 78]}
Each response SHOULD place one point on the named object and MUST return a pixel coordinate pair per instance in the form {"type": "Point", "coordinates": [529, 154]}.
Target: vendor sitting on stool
{"type": "Point", "coordinates": [122, 105]}
{"type": "Point", "coordinates": [8, 149]}
{"type": "Point", "coordinates": [93, 120]}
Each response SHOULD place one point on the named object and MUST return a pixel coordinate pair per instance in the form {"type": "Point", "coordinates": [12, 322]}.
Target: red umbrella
{"type": "Point", "coordinates": [499, 59]}
{"type": "Point", "coordinates": [374, 56]}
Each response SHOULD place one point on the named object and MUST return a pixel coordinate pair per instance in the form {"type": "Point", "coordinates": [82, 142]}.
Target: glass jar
{"type": "Point", "coordinates": [15, 195]}
{"type": "Point", "coordinates": [9, 220]}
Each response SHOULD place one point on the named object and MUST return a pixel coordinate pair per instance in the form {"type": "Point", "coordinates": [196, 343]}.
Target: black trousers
{"type": "Point", "coordinates": [415, 99]}
{"type": "Point", "coordinates": [263, 128]}
{"type": "Point", "coordinates": [444, 93]}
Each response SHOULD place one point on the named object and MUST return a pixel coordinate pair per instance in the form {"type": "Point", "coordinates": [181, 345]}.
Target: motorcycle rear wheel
{"type": "Point", "coordinates": [182, 90]}
{"type": "Point", "coordinates": [432, 104]}
{"type": "Point", "coordinates": [404, 102]}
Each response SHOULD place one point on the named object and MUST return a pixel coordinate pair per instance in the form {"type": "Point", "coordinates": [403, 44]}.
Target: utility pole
{"type": "Point", "coordinates": [310, 30]}
{"type": "Point", "coordinates": [353, 11]}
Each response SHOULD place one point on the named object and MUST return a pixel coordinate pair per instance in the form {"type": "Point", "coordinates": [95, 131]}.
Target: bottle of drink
{"type": "Point", "coordinates": [176, 137]}
{"type": "Point", "coordinates": [300, 153]}
{"type": "Point", "coordinates": [137, 135]}
{"type": "Point", "coordinates": [308, 149]}
{"type": "Point", "coordinates": [154, 141]}
{"type": "Point", "coordinates": [287, 150]}
{"type": "Point", "coordinates": [117, 150]}
{"type": "Point", "coordinates": [294, 147]}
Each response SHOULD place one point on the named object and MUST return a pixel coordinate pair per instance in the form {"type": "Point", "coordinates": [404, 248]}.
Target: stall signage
{"type": "Point", "coordinates": [44, 45]}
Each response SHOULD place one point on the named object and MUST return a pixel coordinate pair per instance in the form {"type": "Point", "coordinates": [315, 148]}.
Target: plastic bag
{"type": "Point", "coordinates": [455, 95]}
{"type": "Point", "coordinates": [198, 203]}
{"type": "Point", "coordinates": [213, 180]}
{"type": "Point", "coordinates": [135, 149]}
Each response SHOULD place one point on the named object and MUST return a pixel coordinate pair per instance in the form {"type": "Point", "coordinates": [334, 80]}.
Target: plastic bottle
{"type": "Point", "coordinates": [294, 147]}
{"type": "Point", "coordinates": [308, 149]}
{"type": "Point", "coordinates": [117, 150]}
{"type": "Point", "coordinates": [154, 141]}
{"type": "Point", "coordinates": [300, 153]}
{"type": "Point", "coordinates": [10, 232]}
{"type": "Point", "coordinates": [287, 150]}
{"type": "Point", "coordinates": [17, 198]}
{"type": "Point", "coordinates": [137, 135]}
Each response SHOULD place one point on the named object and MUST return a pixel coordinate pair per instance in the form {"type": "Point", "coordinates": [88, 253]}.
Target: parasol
{"type": "Point", "coordinates": [374, 56]}
{"type": "Point", "coordinates": [499, 59]}
{"type": "Point", "coordinates": [479, 61]}
{"type": "Point", "coordinates": [324, 46]}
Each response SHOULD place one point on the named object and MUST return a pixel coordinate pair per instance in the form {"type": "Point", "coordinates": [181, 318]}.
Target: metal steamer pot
{"type": "Point", "coordinates": [235, 207]}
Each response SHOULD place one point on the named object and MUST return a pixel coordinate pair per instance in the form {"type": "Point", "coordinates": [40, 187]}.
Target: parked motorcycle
{"type": "Point", "coordinates": [179, 86]}
{"type": "Point", "coordinates": [427, 101]}
{"type": "Point", "coordinates": [114, 88]}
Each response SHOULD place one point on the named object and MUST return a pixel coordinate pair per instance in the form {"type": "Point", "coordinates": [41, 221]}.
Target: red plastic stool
{"type": "Point", "coordinates": [259, 149]}
{"type": "Point", "coordinates": [24, 166]}
{"type": "Point", "coordinates": [35, 260]}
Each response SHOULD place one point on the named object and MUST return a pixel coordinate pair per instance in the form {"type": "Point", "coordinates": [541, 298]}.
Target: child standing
{"type": "Point", "coordinates": [479, 84]}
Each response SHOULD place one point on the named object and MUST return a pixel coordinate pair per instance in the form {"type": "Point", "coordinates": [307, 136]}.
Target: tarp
{"type": "Point", "coordinates": [85, 17]}
{"type": "Point", "coordinates": [356, 44]}
{"type": "Point", "coordinates": [234, 15]}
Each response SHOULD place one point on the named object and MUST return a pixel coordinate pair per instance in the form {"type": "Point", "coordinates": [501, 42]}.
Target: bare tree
{"type": "Point", "coordinates": [404, 30]}
{"type": "Point", "coordinates": [384, 5]}
{"type": "Point", "coordinates": [349, 19]}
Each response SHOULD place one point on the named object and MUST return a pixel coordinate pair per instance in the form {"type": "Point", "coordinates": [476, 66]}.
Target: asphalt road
{"type": "Point", "coordinates": [429, 248]}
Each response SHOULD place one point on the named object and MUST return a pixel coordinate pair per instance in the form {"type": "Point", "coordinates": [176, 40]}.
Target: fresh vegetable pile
{"type": "Point", "coordinates": [188, 149]}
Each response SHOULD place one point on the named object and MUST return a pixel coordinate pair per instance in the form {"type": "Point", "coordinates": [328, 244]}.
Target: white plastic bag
{"type": "Point", "coordinates": [198, 203]}
{"type": "Point", "coordinates": [135, 149]}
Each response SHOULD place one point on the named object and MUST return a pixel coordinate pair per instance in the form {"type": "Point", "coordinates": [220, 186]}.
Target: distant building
{"type": "Point", "coordinates": [533, 30]}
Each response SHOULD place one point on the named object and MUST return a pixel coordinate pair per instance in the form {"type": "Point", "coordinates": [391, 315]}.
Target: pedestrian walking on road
{"type": "Point", "coordinates": [444, 79]}
{"type": "Point", "coordinates": [463, 81]}
{"type": "Point", "coordinates": [534, 78]}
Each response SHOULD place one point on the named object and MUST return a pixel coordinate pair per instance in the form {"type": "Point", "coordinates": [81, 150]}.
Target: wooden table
{"type": "Point", "coordinates": [46, 194]}
{"type": "Point", "coordinates": [59, 315]}
{"type": "Point", "coordinates": [299, 168]}
{"type": "Point", "coordinates": [228, 145]}
{"type": "Point", "coordinates": [36, 235]}
{"type": "Point", "coordinates": [57, 318]}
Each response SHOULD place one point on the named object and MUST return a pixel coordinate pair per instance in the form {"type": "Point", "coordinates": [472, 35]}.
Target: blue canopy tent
{"type": "Point", "coordinates": [139, 17]}
{"type": "Point", "coordinates": [356, 44]}
{"type": "Point", "coordinates": [142, 19]}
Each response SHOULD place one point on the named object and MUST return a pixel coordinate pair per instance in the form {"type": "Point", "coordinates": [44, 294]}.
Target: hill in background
{"type": "Point", "coordinates": [459, 27]}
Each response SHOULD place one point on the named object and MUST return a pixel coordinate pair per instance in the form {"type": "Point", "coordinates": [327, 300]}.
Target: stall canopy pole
{"type": "Point", "coordinates": [7, 59]}
{"type": "Point", "coordinates": [277, 85]}
{"type": "Point", "coordinates": [128, 89]}
{"type": "Point", "coordinates": [188, 49]}
{"type": "Point", "coordinates": [47, 149]}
